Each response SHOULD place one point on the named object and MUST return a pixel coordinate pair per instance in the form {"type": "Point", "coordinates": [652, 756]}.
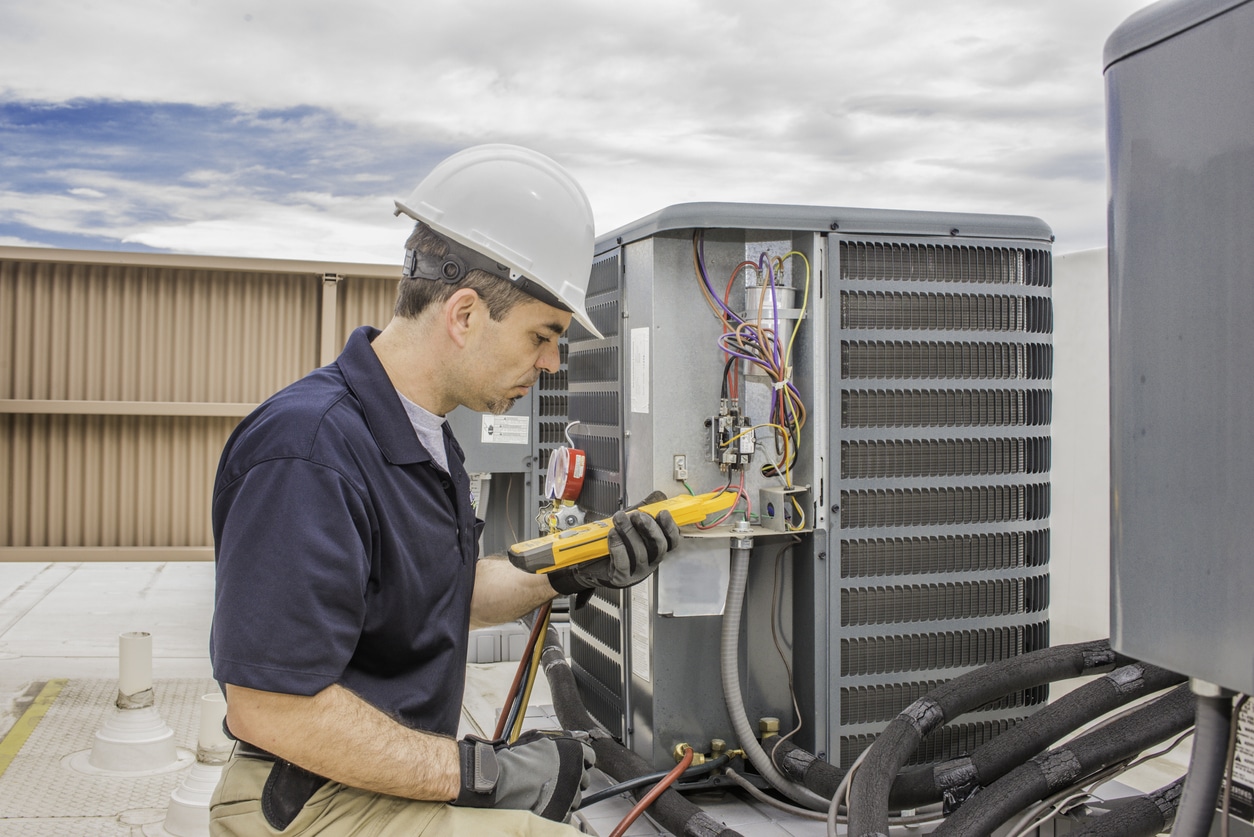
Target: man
{"type": "Point", "coordinates": [347, 557]}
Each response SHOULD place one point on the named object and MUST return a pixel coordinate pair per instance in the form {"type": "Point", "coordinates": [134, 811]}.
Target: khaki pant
{"type": "Point", "coordinates": [336, 810]}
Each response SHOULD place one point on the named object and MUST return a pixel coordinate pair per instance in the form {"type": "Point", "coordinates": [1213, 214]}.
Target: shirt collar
{"type": "Point", "coordinates": [385, 415]}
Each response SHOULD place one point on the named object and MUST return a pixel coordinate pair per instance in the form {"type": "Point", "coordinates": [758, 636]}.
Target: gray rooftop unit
{"type": "Point", "coordinates": [1180, 107]}
{"type": "Point", "coordinates": [925, 361]}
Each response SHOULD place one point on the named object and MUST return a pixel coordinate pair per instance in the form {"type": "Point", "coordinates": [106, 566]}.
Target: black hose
{"type": "Point", "coordinates": [1134, 816]}
{"type": "Point", "coordinates": [671, 810]}
{"type": "Point", "coordinates": [652, 779]}
{"type": "Point", "coordinates": [924, 785]}
{"type": "Point", "coordinates": [871, 785]}
{"type": "Point", "coordinates": [1031, 736]}
{"type": "Point", "coordinates": [803, 767]}
{"type": "Point", "coordinates": [1206, 767]}
{"type": "Point", "coordinates": [1063, 766]}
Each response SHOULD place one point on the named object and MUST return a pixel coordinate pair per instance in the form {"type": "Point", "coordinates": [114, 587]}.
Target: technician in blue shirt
{"type": "Point", "coordinates": [348, 574]}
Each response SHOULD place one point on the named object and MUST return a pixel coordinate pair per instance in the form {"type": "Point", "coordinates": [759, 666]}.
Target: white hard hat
{"type": "Point", "coordinates": [519, 209]}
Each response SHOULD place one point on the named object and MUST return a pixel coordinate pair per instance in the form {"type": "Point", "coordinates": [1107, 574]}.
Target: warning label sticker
{"type": "Point", "coordinates": [505, 430]}
{"type": "Point", "coordinates": [641, 647]}
{"type": "Point", "coordinates": [1242, 805]}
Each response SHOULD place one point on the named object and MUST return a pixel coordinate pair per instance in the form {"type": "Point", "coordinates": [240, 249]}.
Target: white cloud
{"type": "Point", "coordinates": [974, 105]}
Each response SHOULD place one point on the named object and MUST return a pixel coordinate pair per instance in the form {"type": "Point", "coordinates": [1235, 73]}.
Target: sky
{"type": "Point", "coordinates": [285, 128]}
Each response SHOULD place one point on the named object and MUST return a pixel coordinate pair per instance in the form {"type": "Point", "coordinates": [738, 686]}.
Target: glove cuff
{"type": "Point", "coordinates": [479, 773]}
{"type": "Point", "coordinates": [565, 582]}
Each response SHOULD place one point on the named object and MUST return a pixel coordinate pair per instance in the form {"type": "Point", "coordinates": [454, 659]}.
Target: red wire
{"type": "Point", "coordinates": [650, 797]}
{"type": "Point", "coordinates": [523, 665]}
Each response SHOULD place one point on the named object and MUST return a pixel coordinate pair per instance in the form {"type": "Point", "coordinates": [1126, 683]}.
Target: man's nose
{"type": "Point", "coordinates": [550, 359]}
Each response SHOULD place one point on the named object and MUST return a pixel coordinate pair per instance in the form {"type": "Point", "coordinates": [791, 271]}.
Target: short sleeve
{"type": "Point", "coordinates": [293, 555]}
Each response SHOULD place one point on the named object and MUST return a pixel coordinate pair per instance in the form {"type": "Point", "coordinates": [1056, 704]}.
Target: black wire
{"type": "Point", "coordinates": [727, 368]}
{"type": "Point", "coordinates": [650, 779]}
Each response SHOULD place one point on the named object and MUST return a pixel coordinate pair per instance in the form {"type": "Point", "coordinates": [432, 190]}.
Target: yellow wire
{"type": "Point", "coordinates": [805, 302]}
{"type": "Point", "coordinates": [801, 515]}
{"type": "Point", "coordinates": [533, 672]}
{"type": "Point", "coordinates": [748, 430]}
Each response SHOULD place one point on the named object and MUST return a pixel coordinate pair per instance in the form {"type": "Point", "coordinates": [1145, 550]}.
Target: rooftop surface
{"type": "Point", "coordinates": [61, 622]}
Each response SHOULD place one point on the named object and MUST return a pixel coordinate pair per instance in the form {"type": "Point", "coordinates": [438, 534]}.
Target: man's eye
{"type": "Point", "coordinates": [540, 339]}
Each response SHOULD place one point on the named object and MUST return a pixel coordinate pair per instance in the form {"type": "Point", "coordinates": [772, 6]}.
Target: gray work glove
{"type": "Point", "coordinates": [637, 544]}
{"type": "Point", "coordinates": [542, 772]}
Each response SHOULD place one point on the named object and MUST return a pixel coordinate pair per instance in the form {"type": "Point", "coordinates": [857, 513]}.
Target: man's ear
{"type": "Point", "coordinates": [459, 310]}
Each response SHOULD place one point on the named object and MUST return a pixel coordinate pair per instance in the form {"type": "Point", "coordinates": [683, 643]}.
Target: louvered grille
{"type": "Point", "coordinates": [597, 654]}
{"type": "Point", "coordinates": [963, 361]}
{"type": "Point", "coordinates": [946, 408]}
{"type": "Point", "coordinates": [985, 546]}
{"type": "Point", "coordinates": [594, 366]}
{"type": "Point", "coordinates": [944, 458]}
{"type": "Point", "coordinates": [938, 602]}
{"type": "Point", "coordinates": [595, 407]}
{"type": "Point", "coordinates": [951, 649]}
{"type": "Point", "coordinates": [944, 506]}
{"type": "Point", "coordinates": [949, 312]}
{"type": "Point", "coordinates": [949, 553]}
{"type": "Point", "coordinates": [943, 263]}
{"type": "Point", "coordinates": [602, 451]}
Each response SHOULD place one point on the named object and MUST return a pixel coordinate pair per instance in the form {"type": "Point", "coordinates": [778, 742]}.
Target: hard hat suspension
{"type": "Point", "coordinates": [459, 260]}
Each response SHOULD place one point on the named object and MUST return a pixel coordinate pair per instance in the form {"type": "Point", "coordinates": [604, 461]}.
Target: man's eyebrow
{"type": "Point", "coordinates": [556, 328]}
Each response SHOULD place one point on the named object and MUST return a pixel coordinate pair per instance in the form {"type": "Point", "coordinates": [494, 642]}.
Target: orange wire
{"type": "Point", "coordinates": [656, 791]}
{"type": "Point", "coordinates": [523, 665]}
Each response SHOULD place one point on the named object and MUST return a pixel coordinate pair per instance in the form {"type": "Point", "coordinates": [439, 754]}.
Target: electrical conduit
{"type": "Point", "coordinates": [729, 656]}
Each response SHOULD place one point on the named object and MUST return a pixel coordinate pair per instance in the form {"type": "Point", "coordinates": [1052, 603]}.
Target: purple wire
{"type": "Point", "coordinates": [705, 277]}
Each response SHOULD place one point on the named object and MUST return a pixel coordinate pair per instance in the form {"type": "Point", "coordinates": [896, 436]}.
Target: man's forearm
{"type": "Point", "coordinates": [341, 737]}
{"type": "Point", "coordinates": [503, 592]}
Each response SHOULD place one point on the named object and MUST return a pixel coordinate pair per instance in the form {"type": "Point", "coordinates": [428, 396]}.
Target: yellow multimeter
{"type": "Point", "coordinates": [590, 541]}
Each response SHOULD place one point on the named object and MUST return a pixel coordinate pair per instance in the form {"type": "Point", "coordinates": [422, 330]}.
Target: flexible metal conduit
{"type": "Point", "coordinates": [871, 785]}
{"type": "Point", "coordinates": [1076, 760]}
{"type": "Point", "coordinates": [729, 656]}
{"type": "Point", "coordinates": [672, 811]}
{"type": "Point", "coordinates": [1207, 764]}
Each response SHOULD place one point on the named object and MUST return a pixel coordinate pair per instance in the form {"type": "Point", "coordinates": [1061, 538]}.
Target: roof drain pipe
{"type": "Point", "coordinates": [671, 810]}
{"type": "Point", "coordinates": [1208, 761]}
{"type": "Point", "coordinates": [729, 656]}
{"type": "Point", "coordinates": [871, 784]}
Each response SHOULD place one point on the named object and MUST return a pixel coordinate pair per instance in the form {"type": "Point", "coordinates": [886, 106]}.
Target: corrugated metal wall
{"type": "Point", "coordinates": [121, 376]}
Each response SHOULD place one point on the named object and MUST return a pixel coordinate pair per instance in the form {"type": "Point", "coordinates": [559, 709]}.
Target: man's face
{"type": "Point", "coordinates": [505, 358]}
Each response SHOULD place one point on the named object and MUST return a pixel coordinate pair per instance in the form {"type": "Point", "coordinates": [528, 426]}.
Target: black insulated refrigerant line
{"type": "Point", "coordinates": [671, 810]}
{"type": "Point", "coordinates": [1206, 765]}
{"type": "Point", "coordinates": [872, 784]}
{"type": "Point", "coordinates": [960, 776]}
{"type": "Point", "coordinates": [1076, 760]}
{"type": "Point", "coordinates": [1134, 816]}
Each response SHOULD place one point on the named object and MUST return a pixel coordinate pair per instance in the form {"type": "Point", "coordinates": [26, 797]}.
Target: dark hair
{"type": "Point", "coordinates": [414, 295]}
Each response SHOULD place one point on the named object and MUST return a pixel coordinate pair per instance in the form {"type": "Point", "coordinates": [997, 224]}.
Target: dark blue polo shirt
{"type": "Point", "coordinates": [344, 555]}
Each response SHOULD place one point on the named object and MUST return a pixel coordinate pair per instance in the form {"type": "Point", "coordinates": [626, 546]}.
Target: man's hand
{"type": "Point", "coordinates": [637, 544]}
{"type": "Point", "coordinates": [542, 772]}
